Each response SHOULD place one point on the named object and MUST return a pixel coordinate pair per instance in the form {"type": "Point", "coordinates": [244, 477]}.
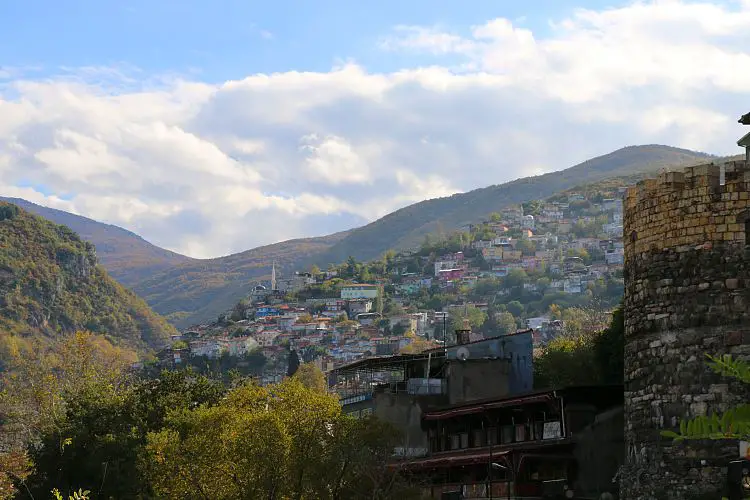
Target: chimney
{"type": "Point", "coordinates": [463, 334]}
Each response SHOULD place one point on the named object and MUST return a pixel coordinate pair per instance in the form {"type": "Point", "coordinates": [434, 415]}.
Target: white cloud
{"type": "Point", "coordinates": [333, 160]}
{"type": "Point", "coordinates": [209, 169]}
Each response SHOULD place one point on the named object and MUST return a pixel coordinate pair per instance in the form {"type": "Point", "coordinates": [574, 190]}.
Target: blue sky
{"type": "Point", "coordinates": [227, 39]}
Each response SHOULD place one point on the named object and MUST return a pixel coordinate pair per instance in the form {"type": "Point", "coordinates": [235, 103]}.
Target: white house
{"type": "Point", "coordinates": [360, 291]}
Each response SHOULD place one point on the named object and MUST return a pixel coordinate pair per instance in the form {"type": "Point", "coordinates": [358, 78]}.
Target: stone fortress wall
{"type": "Point", "coordinates": [687, 293]}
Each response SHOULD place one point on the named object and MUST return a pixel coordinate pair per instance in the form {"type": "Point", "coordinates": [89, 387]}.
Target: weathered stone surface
{"type": "Point", "coordinates": [686, 265]}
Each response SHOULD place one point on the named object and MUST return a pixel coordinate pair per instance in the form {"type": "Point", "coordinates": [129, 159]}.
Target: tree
{"type": "Point", "coordinates": [527, 247]}
{"type": "Point", "coordinates": [476, 317]}
{"type": "Point", "coordinates": [305, 318]}
{"type": "Point", "coordinates": [315, 270]}
{"type": "Point", "coordinates": [279, 442]}
{"type": "Point", "coordinates": [39, 384]}
{"type": "Point", "coordinates": [585, 354]}
{"type": "Point", "coordinates": [292, 363]}
{"type": "Point", "coordinates": [103, 434]}
{"type": "Point", "coordinates": [609, 350]}
{"type": "Point", "coordinates": [312, 377]}
{"type": "Point", "coordinates": [351, 266]}
{"type": "Point", "coordinates": [554, 312]}
{"type": "Point", "coordinates": [506, 323]}
{"type": "Point", "coordinates": [15, 467]}
{"type": "Point", "coordinates": [515, 308]}
{"type": "Point", "coordinates": [515, 279]}
{"type": "Point", "coordinates": [399, 329]}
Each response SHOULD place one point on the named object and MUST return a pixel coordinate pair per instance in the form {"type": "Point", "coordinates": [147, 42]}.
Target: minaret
{"type": "Point", "coordinates": [273, 276]}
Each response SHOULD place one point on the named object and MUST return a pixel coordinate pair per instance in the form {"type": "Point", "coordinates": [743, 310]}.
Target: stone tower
{"type": "Point", "coordinates": [687, 293]}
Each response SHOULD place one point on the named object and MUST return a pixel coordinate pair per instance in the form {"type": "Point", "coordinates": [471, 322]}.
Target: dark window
{"type": "Point", "coordinates": [744, 218]}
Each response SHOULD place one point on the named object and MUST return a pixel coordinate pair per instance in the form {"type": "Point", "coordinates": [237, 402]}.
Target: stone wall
{"type": "Point", "coordinates": [687, 293]}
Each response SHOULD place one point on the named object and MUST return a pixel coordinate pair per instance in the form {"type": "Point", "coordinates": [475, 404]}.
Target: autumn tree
{"type": "Point", "coordinates": [284, 441]}
{"type": "Point", "coordinates": [312, 377]}
{"type": "Point", "coordinates": [15, 467]}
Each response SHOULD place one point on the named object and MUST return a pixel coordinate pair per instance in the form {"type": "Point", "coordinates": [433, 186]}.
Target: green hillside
{"type": "Point", "coordinates": [200, 290]}
{"type": "Point", "coordinates": [126, 256]}
{"type": "Point", "coordinates": [51, 284]}
{"type": "Point", "coordinates": [407, 227]}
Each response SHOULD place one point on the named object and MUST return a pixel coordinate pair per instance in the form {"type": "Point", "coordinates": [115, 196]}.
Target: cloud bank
{"type": "Point", "coordinates": [211, 169]}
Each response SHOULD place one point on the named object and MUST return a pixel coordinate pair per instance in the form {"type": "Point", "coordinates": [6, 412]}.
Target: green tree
{"type": "Point", "coordinates": [516, 278]}
{"type": "Point", "coordinates": [292, 363]}
{"type": "Point", "coordinates": [506, 323]}
{"type": "Point", "coordinates": [312, 377]}
{"type": "Point", "coordinates": [281, 442]}
{"type": "Point", "coordinates": [476, 317]}
{"type": "Point", "coordinates": [515, 307]}
{"type": "Point", "coordinates": [585, 354]}
{"type": "Point", "coordinates": [103, 434]}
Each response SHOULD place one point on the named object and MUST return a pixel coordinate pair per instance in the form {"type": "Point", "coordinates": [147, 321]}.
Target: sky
{"type": "Point", "coordinates": [214, 127]}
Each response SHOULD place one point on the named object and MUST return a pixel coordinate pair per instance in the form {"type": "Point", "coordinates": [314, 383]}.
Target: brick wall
{"type": "Point", "coordinates": [687, 293]}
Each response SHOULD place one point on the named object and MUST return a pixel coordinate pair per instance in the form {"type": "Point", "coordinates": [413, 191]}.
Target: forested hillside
{"type": "Point", "coordinates": [51, 284]}
{"type": "Point", "coordinates": [126, 256]}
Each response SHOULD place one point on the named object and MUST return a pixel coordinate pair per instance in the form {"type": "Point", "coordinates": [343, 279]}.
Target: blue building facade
{"type": "Point", "coordinates": [517, 348]}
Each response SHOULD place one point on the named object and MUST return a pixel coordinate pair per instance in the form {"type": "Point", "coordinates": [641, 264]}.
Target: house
{"type": "Point", "coordinates": [266, 311]}
{"type": "Point", "coordinates": [358, 306]}
{"type": "Point", "coordinates": [572, 285]}
{"type": "Point", "coordinates": [501, 253]}
{"type": "Point", "coordinates": [360, 291]}
{"type": "Point", "coordinates": [451, 261]}
{"type": "Point", "coordinates": [573, 197]}
{"type": "Point", "coordinates": [208, 347]}
{"type": "Point", "coordinates": [536, 322]}
{"type": "Point", "coordinates": [445, 275]}
{"type": "Point", "coordinates": [565, 443]}
{"type": "Point", "coordinates": [480, 244]}
{"type": "Point", "coordinates": [613, 229]}
{"type": "Point", "coordinates": [615, 257]}
{"type": "Point", "coordinates": [612, 204]}
{"type": "Point", "coordinates": [530, 263]}
{"type": "Point", "coordinates": [504, 241]}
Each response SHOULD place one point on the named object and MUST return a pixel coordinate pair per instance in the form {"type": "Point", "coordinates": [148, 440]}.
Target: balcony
{"type": "Point", "coordinates": [497, 489]}
{"type": "Point", "coordinates": [513, 434]}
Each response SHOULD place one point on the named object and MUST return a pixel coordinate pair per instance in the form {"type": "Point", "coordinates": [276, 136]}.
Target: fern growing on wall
{"type": "Point", "coordinates": [732, 424]}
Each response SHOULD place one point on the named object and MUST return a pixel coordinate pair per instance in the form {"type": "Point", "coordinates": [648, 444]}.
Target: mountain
{"type": "Point", "coordinates": [51, 284]}
{"type": "Point", "coordinates": [127, 257]}
{"type": "Point", "coordinates": [407, 227]}
{"type": "Point", "coordinates": [200, 290]}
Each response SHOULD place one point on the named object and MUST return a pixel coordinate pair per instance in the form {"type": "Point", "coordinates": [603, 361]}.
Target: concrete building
{"type": "Point", "coordinates": [543, 444]}
{"type": "Point", "coordinates": [360, 291]}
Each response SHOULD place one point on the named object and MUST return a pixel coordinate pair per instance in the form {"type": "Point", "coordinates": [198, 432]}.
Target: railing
{"type": "Point", "coordinates": [499, 490]}
{"type": "Point", "coordinates": [500, 436]}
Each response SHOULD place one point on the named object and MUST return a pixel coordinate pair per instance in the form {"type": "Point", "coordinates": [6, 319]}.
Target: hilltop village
{"type": "Point", "coordinates": [543, 266]}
